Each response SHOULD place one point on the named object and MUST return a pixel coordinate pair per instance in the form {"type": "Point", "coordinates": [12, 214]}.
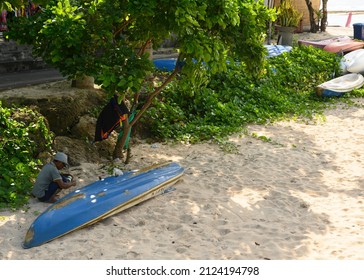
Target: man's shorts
{"type": "Point", "coordinates": [53, 187]}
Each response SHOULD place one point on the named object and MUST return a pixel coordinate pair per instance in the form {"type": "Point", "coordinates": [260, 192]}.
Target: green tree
{"type": "Point", "coordinates": [109, 39]}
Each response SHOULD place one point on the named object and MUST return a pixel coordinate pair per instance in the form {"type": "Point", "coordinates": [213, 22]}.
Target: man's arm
{"type": "Point", "coordinates": [64, 185]}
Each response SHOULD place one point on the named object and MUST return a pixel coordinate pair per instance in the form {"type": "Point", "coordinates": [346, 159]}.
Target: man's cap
{"type": "Point", "coordinates": [62, 157]}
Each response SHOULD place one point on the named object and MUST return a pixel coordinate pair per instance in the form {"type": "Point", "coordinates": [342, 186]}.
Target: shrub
{"type": "Point", "coordinates": [226, 102]}
{"type": "Point", "coordinates": [22, 130]}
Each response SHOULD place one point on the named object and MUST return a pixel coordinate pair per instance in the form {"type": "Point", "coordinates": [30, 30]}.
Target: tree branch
{"type": "Point", "coordinates": [155, 93]}
{"type": "Point", "coordinates": [122, 27]}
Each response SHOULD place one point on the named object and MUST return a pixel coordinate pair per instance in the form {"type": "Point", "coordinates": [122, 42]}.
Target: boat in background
{"type": "Point", "coordinates": [344, 47]}
{"type": "Point", "coordinates": [165, 64]}
{"type": "Point", "coordinates": [341, 44]}
{"type": "Point", "coordinates": [100, 200]}
{"type": "Point", "coordinates": [353, 62]}
{"type": "Point", "coordinates": [339, 86]}
{"type": "Point", "coordinates": [323, 43]}
{"type": "Point", "coordinates": [169, 64]}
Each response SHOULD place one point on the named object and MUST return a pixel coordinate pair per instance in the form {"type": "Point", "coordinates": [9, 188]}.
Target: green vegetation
{"type": "Point", "coordinates": [216, 105]}
{"type": "Point", "coordinates": [207, 107]}
{"type": "Point", "coordinates": [22, 132]}
{"type": "Point", "coordinates": [109, 40]}
{"type": "Point", "coordinates": [208, 99]}
{"type": "Point", "coordinates": [288, 15]}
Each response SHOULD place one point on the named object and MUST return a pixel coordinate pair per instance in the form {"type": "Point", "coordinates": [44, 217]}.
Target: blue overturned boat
{"type": "Point", "coordinates": [99, 200]}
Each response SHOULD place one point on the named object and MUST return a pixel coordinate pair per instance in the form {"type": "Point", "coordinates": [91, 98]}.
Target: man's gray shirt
{"type": "Point", "coordinates": [47, 175]}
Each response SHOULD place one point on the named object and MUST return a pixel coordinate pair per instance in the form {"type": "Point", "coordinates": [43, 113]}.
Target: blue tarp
{"type": "Point", "coordinates": [168, 64]}
{"type": "Point", "coordinates": [274, 50]}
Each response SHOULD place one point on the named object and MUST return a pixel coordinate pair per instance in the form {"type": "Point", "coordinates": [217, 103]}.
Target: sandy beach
{"type": "Point", "coordinates": [299, 196]}
{"type": "Point", "coordinates": [296, 196]}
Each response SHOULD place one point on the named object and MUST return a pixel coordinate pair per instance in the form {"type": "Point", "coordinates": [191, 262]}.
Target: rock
{"type": "Point", "coordinates": [67, 110]}
{"type": "Point", "coordinates": [78, 151]}
{"type": "Point", "coordinates": [106, 147]}
{"type": "Point", "coordinates": [82, 150]}
{"type": "Point", "coordinates": [86, 82]}
{"type": "Point", "coordinates": [61, 104]}
{"type": "Point", "coordinates": [45, 157]}
{"type": "Point", "coordinates": [85, 128]}
{"type": "Point", "coordinates": [15, 57]}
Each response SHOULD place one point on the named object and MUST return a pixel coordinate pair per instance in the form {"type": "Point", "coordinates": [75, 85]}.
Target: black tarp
{"type": "Point", "coordinates": [110, 118]}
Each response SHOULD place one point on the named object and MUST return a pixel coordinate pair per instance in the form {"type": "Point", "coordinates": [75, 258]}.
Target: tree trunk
{"type": "Point", "coordinates": [324, 16]}
{"type": "Point", "coordinates": [127, 126]}
{"type": "Point", "coordinates": [119, 147]}
{"type": "Point", "coordinates": [314, 26]}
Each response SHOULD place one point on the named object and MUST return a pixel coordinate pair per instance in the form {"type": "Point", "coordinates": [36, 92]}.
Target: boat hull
{"type": "Point", "coordinates": [99, 200]}
{"type": "Point", "coordinates": [167, 64]}
{"type": "Point", "coordinates": [340, 85]}
{"type": "Point", "coordinates": [353, 62]}
{"type": "Point", "coordinates": [339, 44]}
{"type": "Point", "coordinates": [343, 47]}
{"type": "Point", "coordinates": [323, 43]}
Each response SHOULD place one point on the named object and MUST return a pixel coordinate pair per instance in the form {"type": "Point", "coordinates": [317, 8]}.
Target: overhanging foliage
{"type": "Point", "coordinates": [108, 39]}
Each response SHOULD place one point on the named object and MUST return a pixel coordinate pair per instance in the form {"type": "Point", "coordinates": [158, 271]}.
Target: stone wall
{"type": "Point", "coordinates": [16, 58]}
{"type": "Point", "coordinates": [302, 7]}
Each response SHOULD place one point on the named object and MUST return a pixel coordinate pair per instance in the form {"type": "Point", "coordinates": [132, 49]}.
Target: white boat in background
{"type": "Point", "coordinates": [340, 85]}
{"type": "Point", "coordinates": [353, 62]}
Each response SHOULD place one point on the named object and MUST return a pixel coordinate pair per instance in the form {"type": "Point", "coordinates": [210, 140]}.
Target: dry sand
{"type": "Point", "coordinates": [298, 196]}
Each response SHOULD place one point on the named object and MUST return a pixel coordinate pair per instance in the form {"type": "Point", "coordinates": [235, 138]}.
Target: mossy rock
{"type": "Point", "coordinates": [59, 102]}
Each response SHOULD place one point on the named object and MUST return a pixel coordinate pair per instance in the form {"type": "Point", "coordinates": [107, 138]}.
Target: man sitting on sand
{"type": "Point", "coordinates": [50, 181]}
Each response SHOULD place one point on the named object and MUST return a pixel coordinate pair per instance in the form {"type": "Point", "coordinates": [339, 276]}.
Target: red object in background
{"type": "Point", "coordinates": [348, 22]}
{"type": "Point", "coordinates": [3, 26]}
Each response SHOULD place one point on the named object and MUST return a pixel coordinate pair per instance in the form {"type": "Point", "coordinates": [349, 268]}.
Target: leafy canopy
{"type": "Point", "coordinates": [226, 102]}
{"type": "Point", "coordinates": [107, 39]}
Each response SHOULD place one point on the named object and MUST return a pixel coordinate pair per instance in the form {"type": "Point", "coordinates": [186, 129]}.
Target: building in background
{"type": "Point", "coordinates": [301, 5]}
